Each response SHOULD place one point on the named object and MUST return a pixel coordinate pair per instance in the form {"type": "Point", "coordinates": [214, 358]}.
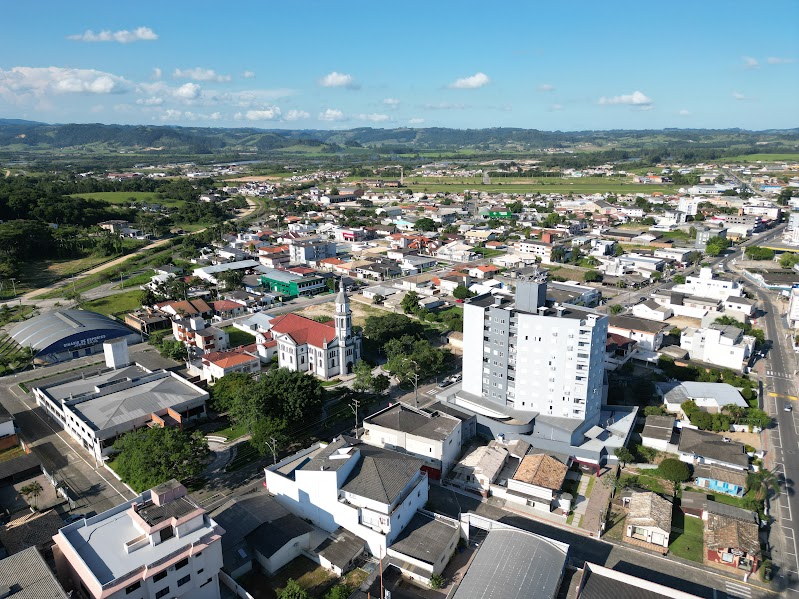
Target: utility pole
{"type": "Point", "coordinates": [356, 403]}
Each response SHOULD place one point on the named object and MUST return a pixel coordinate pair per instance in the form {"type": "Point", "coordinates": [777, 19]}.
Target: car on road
{"type": "Point", "coordinates": [787, 407]}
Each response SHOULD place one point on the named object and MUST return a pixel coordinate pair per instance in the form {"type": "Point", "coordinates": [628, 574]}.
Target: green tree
{"type": "Point", "coordinates": [618, 250]}
{"type": "Point", "coordinates": [461, 292]}
{"type": "Point", "coordinates": [765, 484]}
{"type": "Point", "coordinates": [410, 303]}
{"type": "Point", "coordinates": [266, 434]}
{"type": "Point", "coordinates": [592, 276]}
{"type": "Point", "coordinates": [654, 411]}
{"type": "Point", "coordinates": [679, 279]}
{"type": "Point", "coordinates": [173, 349]}
{"type": "Point", "coordinates": [379, 329]}
{"type": "Point", "coordinates": [616, 308]}
{"type": "Point", "coordinates": [150, 456]}
{"type": "Point", "coordinates": [147, 297]}
{"type": "Point", "coordinates": [716, 245]}
{"type": "Point", "coordinates": [380, 384]}
{"type": "Point", "coordinates": [231, 279]}
{"type": "Point", "coordinates": [624, 455]}
{"type": "Point", "coordinates": [363, 377]}
{"type": "Point", "coordinates": [293, 396]}
{"type": "Point", "coordinates": [292, 590]}
{"type": "Point", "coordinates": [378, 299]}
{"type": "Point", "coordinates": [425, 224]}
{"type": "Point", "coordinates": [754, 252]}
{"type": "Point", "coordinates": [228, 388]}
{"type": "Point", "coordinates": [674, 471]}
{"type": "Point", "coordinates": [340, 591]}
{"type": "Point", "coordinates": [789, 260]}
{"type": "Point", "coordinates": [437, 581]}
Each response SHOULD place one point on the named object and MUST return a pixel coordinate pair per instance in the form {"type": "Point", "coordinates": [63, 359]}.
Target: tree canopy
{"type": "Point", "coordinates": [151, 456]}
{"type": "Point", "coordinates": [381, 329]}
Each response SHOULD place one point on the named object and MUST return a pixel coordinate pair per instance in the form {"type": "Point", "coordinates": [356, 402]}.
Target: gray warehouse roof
{"type": "Point", "coordinates": [40, 332]}
{"type": "Point", "coordinates": [513, 564]}
{"type": "Point", "coordinates": [28, 576]}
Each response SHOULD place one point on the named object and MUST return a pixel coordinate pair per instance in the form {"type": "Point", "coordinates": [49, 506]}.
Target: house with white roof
{"type": "Point", "coordinates": [709, 397]}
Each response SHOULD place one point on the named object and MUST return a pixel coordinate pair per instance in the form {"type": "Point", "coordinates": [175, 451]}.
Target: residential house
{"type": "Point", "coordinates": [708, 397]}
{"type": "Point", "coordinates": [212, 273]}
{"type": "Point", "coordinates": [218, 364]}
{"type": "Point", "coordinates": [647, 333]}
{"type": "Point", "coordinates": [434, 437]}
{"type": "Point", "coordinates": [486, 271]}
{"type": "Point", "coordinates": [147, 321]}
{"type": "Point", "coordinates": [649, 519]}
{"type": "Point", "coordinates": [198, 337]}
{"type": "Point", "coordinates": [162, 544]}
{"type": "Point", "coordinates": [539, 480]}
{"type": "Point", "coordinates": [196, 308]}
{"type": "Point", "coordinates": [732, 536]}
{"type": "Point", "coordinates": [718, 479]}
{"type": "Point", "coordinates": [658, 432]}
{"type": "Point", "coordinates": [274, 256]}
{"type": "Point", "coordinates": [26, 575]}
{"type": "Point", "coordinates": [227, 309]}
{"type": "Point", "coordinates": [707, 286]}
{"type": "Point", "coordinates": [307, 252]}
{"type": "Point", "coordinates": [701, 447]}
{"type": "Point", "coordinates": [456, 251]}
{"type": "Point", "coordinates": [479, 236]}
{"type": "Point", "coordinates": [479, 469]}
{"type": "Point", "coordinates": [651, 310]}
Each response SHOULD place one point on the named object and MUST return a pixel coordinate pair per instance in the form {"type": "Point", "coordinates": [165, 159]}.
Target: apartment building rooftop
{"type": "Point", "coordinates": [399, 417]}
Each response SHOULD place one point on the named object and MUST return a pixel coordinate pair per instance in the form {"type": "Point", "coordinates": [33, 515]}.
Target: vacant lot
{"type": "Point", "coordinates": [121, 303]}
{"type": "Point", "coordinates": [360, 311]}
{"type": "Point", "coordinates": [239, 337]}
{"type": "Point", "coordinates": [689, 543]}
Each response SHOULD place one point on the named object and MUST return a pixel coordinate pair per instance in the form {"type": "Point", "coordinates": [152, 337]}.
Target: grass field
{"type": "Point", "coordinates": [239, 337]}
{"type": "Point", "coordinates": [488, 252]}
{"type": "Point", "coordinates": [121, 303]}
{"type": "Point", "coordinates": [688, 544]}
{"type": "Point", "coordinates": [125, 197]}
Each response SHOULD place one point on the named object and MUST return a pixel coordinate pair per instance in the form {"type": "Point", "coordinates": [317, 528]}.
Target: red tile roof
{"type": "Point", "coordinates": [304, 330]}
{"type": "Point", "coordinates": [225, 305]}
{"type": "Point", "coordinates": [234, 360]}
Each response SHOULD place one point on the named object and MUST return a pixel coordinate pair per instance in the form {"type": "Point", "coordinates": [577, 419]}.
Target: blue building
{"type": "Point", "coordinates": [718, 479]}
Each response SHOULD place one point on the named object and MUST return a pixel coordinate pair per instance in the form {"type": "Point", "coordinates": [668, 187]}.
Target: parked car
{"type": "Point", "coordinates": [787, 407]}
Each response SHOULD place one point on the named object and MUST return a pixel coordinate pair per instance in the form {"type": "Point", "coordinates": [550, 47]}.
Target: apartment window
{"type": "Point", "coordinates": [200, 571]}
{"type": "Point", "coordinates": [162, 593]}
{"type": "Point", "coordinates": [205, 583]}
{"type": "Point", "coordinates": [184, 580]}
{"type": "Point", "coordinates": [134, 587]}
{"type": "Point", "coordinates": [182, 563]}
{"type": "Point", "coordinates": [160, 576]}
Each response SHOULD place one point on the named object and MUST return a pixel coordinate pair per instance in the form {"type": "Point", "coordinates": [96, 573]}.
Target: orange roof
{"type": "Point", "coordinates": [273, 249]}
{"type": "Point", "coordinates": [304, 330]}
{"type": "Point", "coordinates": [224, 305]}
{"type": "Point", "coordinates": [190, 308]}
{"type": "Point", "coordinates": [233, 360]}
{"type": "Point", "coordinates": [336, 261]}
{"type": "Point", "coordinates": [488, 268]}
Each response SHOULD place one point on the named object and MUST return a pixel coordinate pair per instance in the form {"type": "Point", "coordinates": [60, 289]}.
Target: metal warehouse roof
{"type": "Point", "coordinates": [40, 332]}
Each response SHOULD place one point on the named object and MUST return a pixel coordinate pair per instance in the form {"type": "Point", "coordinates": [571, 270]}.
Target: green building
{"type": "Point", "coordinates": [291, 284]}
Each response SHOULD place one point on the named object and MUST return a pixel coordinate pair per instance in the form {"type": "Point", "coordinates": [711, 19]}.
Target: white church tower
{"type": "Point", "coordinates": [349, 347]}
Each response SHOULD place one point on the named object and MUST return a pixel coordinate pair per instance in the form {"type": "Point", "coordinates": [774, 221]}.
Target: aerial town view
{"type": "Point", "coordinates": [302, 300]}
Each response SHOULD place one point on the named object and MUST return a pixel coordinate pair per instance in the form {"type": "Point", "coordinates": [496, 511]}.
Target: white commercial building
{"type": "Point", "coordinates": [705, 285]}
{"type": "Point", "coordinates": [720, 345]}
{"type": "Point", "coordinates": [161, 544]}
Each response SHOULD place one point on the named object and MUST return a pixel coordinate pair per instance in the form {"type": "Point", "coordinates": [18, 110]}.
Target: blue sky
{"type": "Point", "coordinates": [324, 64]}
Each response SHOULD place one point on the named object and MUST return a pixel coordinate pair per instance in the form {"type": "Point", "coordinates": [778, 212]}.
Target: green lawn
{"type": "Point", "coordinates": [231, 432]}
{"type": "Point", "coordinates": [11, 453]}
{"type": "Point", "coordinates": [690, 543]}
{"type": "Point", "coordinates": [645, 481]}
{"type": "Point", "coordinates": [239, 337]}
{"type": "Point", "coordinates": [121, 303]}
{"type": "Point", "coordinates": [763, 158]}
{"type": "Point", "coordinates": [488, 252]}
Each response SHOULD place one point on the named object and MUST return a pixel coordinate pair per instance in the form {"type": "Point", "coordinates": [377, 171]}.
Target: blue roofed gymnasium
{"type": "Point", "coordinates": [67, 334]}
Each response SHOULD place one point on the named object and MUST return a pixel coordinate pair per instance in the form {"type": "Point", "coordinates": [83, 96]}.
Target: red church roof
{"type": "Point", "coordinates": [304, 330]}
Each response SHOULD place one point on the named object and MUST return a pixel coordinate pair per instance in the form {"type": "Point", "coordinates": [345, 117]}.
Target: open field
{"type": "Point", "coordinates": [125, 197]}
{"type": "Point", "coordinates": [121, 303]}
{"type": "Point", "coordinates": [239, 337]}
{"type": "Point", "coordinates": [360, 311]}
{"type": "Point", "coordinates": [45, 272]}
{"type": "Point", "coordinates": [585, 185]}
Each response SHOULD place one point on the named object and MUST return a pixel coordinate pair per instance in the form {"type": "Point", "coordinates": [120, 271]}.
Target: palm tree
{"type": "Point", "coordinates": [32, 490]}
{"type": "Point", "coordinates": [734, 412]}
{"type": "Point", "coordinates": [765, 483]}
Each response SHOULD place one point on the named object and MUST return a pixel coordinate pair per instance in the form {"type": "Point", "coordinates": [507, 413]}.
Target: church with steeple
{"type": "Point", "coordinates": [324, 349]}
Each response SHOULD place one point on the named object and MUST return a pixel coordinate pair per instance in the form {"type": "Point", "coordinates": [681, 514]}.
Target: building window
{"type": "Point", "coordinates": [162, 593]}
{"type": "Point", "coordinates": [182, 563]}
{"type": "Point", "coordinates": [167, 533]}
{"type": "Point", "coordinates": [205, 583]}
{"type": "Point", "coordinates": [184, 580]}
{"type": "Point", "coordinates": [160, 576]}
{"type": "Point", "coordinates": [134, 587]}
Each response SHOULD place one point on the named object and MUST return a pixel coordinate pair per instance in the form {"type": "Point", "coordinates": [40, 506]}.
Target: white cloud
{"type": "Point", "coordinates": [684, 112]}
{"type": "Point", "coordinates": [444, 106]}
{"type": "Point", "coordinates": [157, 73]}
{"type": "Point", "coordinates": [546, 87]}
{"type": "Point", "coordinates": [332, 114]}
{"type": "Point", "coordinates": [391, 102]}
{"type": "Point", "coordinates": [749, 62]}
{"type": "Point", "coordinates": [151, 101]}
{"type": "Point", "coordinates": [473, 82]}
{"type": "Point", "coordinates": [271, 113]}
{"type": "Point", "coordinates": [171, 115]}
{"type": "Point", "coordinates": [555, 107]}
{"type": "Point", "coordinates": [374, 118]}
{"type": "Point", "coordinates": [20, 83]}
{"type": "Point", "coordinates": [778, 60]}
{"type": "Point", "coordinates": [188, 91]}
{"type": "Point", "coordinates": [200, 74]}
{"type": "Point", "coordinates": [415, 121]}
{"type": "Point", "coordinates": [738, 96]}
{"type": "Point", "coordinates": [123, 36]}
{"type": "Point", "coordinates": [248, 74]}
{"type": "Point", "coordinates": [336, 79]}
{"type": "Point", "coordinates": [297, 115]}
{"type": "Point", "coordinates": [634, 99]}
{"type": "Point", "coordinates": [97, 108]}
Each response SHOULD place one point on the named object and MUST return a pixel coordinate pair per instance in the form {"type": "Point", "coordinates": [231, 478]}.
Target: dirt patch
{"type": "Point", "coordinates": [752, 439]}
{"type": "Point", "coordinates": [360, 312]}
{"type": "Point", "coordinates": [683, 322]}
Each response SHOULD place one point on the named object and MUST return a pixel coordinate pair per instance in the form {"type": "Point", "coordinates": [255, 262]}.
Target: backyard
{"type": "Point", "coordinates": [239, 337]}
{"type": "Point", "coordinates": [689, 543]}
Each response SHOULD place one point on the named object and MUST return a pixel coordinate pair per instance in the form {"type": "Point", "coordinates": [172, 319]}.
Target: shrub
{"type": "Point", "coordinates": [437, 581]}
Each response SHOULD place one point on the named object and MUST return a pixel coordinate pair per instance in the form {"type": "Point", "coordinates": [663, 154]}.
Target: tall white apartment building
{"type": "Point", "coordinates": [526, 360]}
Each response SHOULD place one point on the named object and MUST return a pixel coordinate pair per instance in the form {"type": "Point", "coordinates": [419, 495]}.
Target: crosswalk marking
{"type": "Point", "coordinates": [735, 589]}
